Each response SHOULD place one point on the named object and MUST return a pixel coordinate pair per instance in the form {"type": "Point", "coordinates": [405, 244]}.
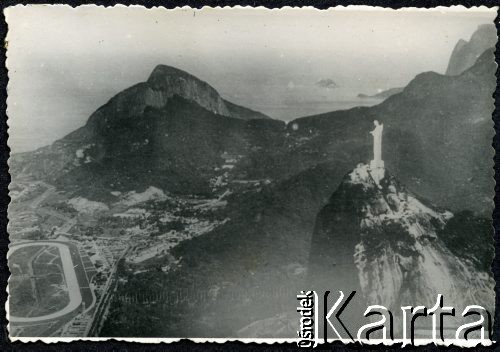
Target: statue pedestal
{"type": "Point", "coordinates": [377, 164]}
{"type": "Point", "coordinates": [377, 170]}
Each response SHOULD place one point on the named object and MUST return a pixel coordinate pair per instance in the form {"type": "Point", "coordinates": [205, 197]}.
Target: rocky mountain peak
{"type": "Point", "coordinates": [161, 71]}
{"type": "Point", "coordinates": [485, 32]}
{"type": "Point", "coordinates": [389, 202]}
{"type": "Point", "coordinates": [466, 53]}
{"type": "Point", "coordinates": [166, 81]}
{"type": "Point", "coordinates": [384, 242]}
{"type": "Point", "coordinates": [164, 85]}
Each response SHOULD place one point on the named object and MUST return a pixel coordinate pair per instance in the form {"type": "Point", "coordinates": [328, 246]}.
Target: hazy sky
{"type": "Point", "coordinates": [64, 63]}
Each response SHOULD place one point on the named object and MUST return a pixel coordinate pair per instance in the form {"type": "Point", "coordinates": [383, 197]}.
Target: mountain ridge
{"type": "Point", "coordinates": [166, 81]}
{"type": "Point", "coordinates": [186, 160]}
{"type": "Point", "coordinates": [427, 126]}
{"type": "Point", "coordinates": [383, 94]}
{"type": "Point", "coordinates": [465, 53]}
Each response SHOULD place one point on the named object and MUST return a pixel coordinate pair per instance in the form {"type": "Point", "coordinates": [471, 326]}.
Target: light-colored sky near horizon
{"type": "Point", "coordinates": [64, 63]}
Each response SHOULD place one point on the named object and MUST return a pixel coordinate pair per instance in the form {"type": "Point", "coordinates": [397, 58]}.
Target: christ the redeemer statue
{"type": "Point", "coordinates": [377, 164]}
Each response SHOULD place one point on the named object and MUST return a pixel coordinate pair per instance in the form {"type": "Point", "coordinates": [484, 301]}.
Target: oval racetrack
{"type": "Point", "coordinates": [75, 297]}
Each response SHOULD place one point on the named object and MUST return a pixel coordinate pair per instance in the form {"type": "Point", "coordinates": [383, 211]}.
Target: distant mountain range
{"type": "Point", "coordinates": [170, 131]}
{"type": "Point", "coordinates": [463, 57]}
{"type": "Point", "coordinates": [465, 53]}
{"type": "Point", "coordinates": [382, 95]}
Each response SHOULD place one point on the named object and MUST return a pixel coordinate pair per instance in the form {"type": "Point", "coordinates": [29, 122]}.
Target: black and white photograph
{"type": "Point", "coordinates": [251, 174]}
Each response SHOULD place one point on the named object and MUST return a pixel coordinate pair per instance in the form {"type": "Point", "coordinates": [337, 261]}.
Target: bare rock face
{"type": "Point", "coordinates": [164, 86]}
{"type": "Point", "coordinates": [165, 82]}
{"type": "Point", "coordinates": [466, 53]}
{"type": "Point", "coordinates": [393, 249]}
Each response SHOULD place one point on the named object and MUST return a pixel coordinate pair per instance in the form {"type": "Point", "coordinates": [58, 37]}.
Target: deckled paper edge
{"type": "Point", "coordinates": [154, 340]}
{"type": "Point", "coordinates": [418, 342]}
